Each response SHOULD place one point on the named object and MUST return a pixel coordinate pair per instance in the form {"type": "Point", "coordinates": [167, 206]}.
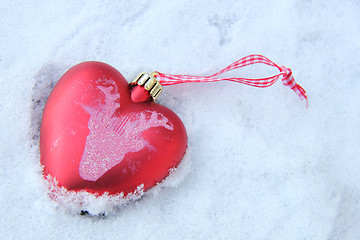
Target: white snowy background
{"type": "Point", "coordinates": [262, 165]}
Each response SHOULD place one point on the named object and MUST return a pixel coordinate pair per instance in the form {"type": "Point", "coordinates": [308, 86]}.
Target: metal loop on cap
{"type": "Point", "coordinates": [150, 83]}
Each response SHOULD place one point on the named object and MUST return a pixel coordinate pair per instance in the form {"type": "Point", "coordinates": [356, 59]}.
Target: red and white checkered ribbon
{"type": "Point", "coordinates": [287, 77]}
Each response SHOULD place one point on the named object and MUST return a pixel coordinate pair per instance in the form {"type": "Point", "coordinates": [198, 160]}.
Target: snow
{"type": "Point", "coordinates": [262, 165]}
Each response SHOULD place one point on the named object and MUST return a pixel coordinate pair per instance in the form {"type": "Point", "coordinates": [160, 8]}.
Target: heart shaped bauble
{"type": "Point", "coordinates": [104, 140]}
{"type": "Point", "coordinates": [99, 138]}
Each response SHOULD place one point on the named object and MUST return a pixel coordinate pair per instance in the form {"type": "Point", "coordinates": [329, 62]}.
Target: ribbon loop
{"type": "Point", "coordinates": [285, 73]}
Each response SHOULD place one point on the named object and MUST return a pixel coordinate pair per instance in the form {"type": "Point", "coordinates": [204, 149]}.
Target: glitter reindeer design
{"type": "Point", "coordinates": [111, 138]}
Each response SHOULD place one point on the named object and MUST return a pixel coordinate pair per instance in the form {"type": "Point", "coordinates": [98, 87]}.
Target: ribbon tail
{"type": "Point", "coordinates": [301, 93]}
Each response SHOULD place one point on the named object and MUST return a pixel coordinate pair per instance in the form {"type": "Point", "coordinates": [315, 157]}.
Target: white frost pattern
{"type": "Point", "coordinates": [111, 137]}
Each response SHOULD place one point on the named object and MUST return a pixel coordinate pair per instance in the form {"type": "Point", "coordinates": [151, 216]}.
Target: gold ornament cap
{"type": "Point", "coordinates": [150, 83]}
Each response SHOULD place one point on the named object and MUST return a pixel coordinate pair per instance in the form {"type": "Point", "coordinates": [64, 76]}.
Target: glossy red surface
{"type": "Point", "coordinates": [139, 94]}
{"type": "Point", "coordinates": [93, 137]}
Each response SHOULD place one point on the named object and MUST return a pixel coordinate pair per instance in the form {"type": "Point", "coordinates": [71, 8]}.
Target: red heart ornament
{"type": "Point", "coordinates": [94, 138]}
